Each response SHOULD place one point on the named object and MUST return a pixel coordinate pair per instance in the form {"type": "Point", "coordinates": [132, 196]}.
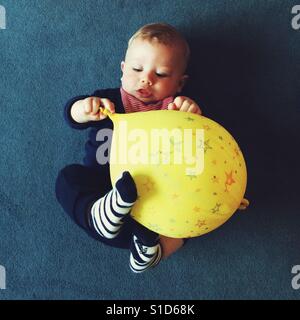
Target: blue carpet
{"type": "Point", "coordinates": [244, 73]}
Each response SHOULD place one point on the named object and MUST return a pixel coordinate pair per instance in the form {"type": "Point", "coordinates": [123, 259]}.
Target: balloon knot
{"type": "Point", "coordinates": [105, 111]}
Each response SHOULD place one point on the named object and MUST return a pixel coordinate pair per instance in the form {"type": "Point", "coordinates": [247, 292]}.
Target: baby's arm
{"type": "Point", "coordinates": [88, 109]}
{"type": "Point", "coordinates": [182, 103]}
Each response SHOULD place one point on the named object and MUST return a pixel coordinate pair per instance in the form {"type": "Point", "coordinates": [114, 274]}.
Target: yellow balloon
{"type": "Point", "coordinates": [189, 171]}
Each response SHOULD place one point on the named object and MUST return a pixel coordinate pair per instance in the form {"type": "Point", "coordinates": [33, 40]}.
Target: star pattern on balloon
{"type": "Point", "coordinates": [197, 209]}
{"type": "Point", "coordinates": [200, 223]}
{"type": "Point", "coordinates": [229, 179]}
{"type": "Point", "coordinates": [192, 176]}
{"type": "Point", "coordinates": [236, 151]}
{"type": "Point", "coordinates": [206, 145]}
{"type": "Point", "coordinates": [190, 119]}
{"type": "Point", "coordinates": [175, 196]}
{"type": "Point", "coordinates": [148, 185]}
{"type": "Point", "coordinates": [216, 208]}
{"type": "Point", "coordinates": [200, 145]}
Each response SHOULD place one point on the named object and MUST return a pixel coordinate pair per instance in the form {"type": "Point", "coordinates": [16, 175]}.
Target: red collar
{"type": "Point", "coordinates": [132, 104]}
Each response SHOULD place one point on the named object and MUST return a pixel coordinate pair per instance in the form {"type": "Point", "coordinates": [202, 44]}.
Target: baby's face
{"type": "Point", "coordinates": [152, 71]}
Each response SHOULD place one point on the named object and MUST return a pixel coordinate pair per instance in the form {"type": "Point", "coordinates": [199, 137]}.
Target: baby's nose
{"type": "Point", "coordinates": [147, 80]}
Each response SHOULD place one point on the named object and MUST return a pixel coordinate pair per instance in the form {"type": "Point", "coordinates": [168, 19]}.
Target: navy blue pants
{"type": "Point", "coordinates": [78, 187]}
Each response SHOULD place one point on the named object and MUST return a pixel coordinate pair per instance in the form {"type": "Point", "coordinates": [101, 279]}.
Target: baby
{"type": "Point", "coordinates": [153, 76]}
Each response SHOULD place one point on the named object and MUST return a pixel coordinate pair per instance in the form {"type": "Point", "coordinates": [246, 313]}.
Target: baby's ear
{"type": "Point", "coordinates": [182, 82]}
{"type": "Point", "coordinates": [122, 65]}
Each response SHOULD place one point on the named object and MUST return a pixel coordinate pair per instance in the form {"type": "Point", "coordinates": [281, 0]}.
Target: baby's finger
{"type": "Point", "coordinates": [94, 117]}
{"type": "Point", "coordinates": [185, 106]}
{"type": "Point", "coordinates": [108, 105]}
{"type": "Point", "coordinates": [194, 109]}
{"type": "Point", "coordinates": [178, 102]}
{"type": "Point", "coordinates": [172, 106]}
{"type": "Point", "coordinates": [96, 105]}
{"type": "Point", "coordinates": [88, 106]}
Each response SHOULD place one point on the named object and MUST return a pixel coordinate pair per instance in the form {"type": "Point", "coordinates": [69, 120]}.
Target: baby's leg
{"type": "Point", "coordinates": [107, 213]}
{"type": "Point", "coordinates": [77, 188]}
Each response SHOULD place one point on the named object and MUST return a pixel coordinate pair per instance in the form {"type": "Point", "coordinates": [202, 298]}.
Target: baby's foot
{"type": "Point", "coordinates": [170, 245]}
{"type": "Point", "coordinates": [126, 188]}
{"type": "Point", "coordinates": [142, 256]}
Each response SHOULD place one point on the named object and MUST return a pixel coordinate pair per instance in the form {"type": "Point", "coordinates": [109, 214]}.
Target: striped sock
{"type": "Point", "coordinates": [143, 257]}
{"type": "Point", "coordinates": [107, 213]}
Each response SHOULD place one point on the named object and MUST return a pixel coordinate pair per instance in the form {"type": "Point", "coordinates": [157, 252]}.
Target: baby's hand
{"type": "Point", "coordinates": [91, 107]}
{"type": "Point", "coordinates": [186, 104]}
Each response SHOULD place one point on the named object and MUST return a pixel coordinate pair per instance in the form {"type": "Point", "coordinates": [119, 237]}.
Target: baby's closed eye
{"type": "Point", "coordinates": [162, 75]}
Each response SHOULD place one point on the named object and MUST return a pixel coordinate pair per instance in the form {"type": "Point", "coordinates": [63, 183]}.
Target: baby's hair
{"type": "Point", "coordinates": [162, 33]}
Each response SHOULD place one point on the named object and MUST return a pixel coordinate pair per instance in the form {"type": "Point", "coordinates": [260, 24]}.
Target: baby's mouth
{"type": "Point", "coordinates": [144, 93]}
